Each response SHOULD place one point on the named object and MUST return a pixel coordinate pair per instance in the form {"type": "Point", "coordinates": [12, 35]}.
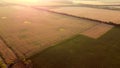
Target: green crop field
{"type": "Point", "coordinates": [82, 52]}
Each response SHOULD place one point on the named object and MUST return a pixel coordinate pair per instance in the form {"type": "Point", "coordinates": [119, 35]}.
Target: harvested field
{"type": "Point", "coordinates": [36, 30]}
{"type": "Point", "coordinates": [91, 13]}
{"type": "Point", "coordinates": [96, 2]}
{"type": "Point", "coordinates": [97, 31]}
{"type": "Point", "coordinates": [89, 2]}
{"type": "Point", "coordinates": [6, 53]}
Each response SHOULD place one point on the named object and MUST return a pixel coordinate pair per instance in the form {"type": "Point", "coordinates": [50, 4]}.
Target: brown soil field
{"type": "Point", "coordinates": [97, 31]}
{"type": "Point", "coordinates": [29, 31]}
{"type": "Point", "coordinates": [6, 53]}
{"type": "Point", "coordinates": [92, 13]}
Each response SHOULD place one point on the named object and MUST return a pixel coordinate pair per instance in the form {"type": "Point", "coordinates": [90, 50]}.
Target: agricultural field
{"type": "Point", "coordinates": [95, 2]}
{"type": "Point", "coordinates": [6, 53]}
{"type": "Point", "coordinates": [97, 31]}
{"type": "Point", "coordinates": [32, 34]}
{"type": "Point", "coordinates": [59, 37]}
{"type": "Point", "coordinates": [88, 2]}
{"type": "Point", "coordinates": [91, 13]}
{"type": "Point", "coordinates": [82, 52]}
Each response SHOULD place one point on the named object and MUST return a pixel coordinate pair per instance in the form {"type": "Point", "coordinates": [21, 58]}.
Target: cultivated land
{"type": "Point", "coordinates": [91, 13]}
{"type": "Point", "coordinates": [37, 34]}
{"type": "Point", "coordinates": [7, 53]}
{"type": "Point", "coordinates": [97, 31]}
{"type": "Point", "coordinates": [96, 2]}
{"type": "Point", "coordinates": [89, 2]}
{"type": "Point", "coordinates": [82, 52]}
{"type": "Point", "coordinates": [32, 33]}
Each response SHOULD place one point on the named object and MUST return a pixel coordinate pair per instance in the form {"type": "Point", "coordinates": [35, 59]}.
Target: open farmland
{"type": "Point", "coordinates": [89, 2]}
{"type": "Point", "coordinates": [82, 52]}
{"type": "Point", "coordinates": [6, 53]}
{"type": "Point", "coordinates": [29, 31]}
{"type": "Point", "coordinates": [97, 31]}
{"type": "Point", "coordinates": [58, 39]}
{"type": "Point", "coordinates": [95, 2]}
{"type": "Point", "coordinates": [91, 13]}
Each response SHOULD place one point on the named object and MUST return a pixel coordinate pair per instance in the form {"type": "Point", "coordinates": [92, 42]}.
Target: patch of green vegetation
{"type": "Point", "coordinates": [82, 52]}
